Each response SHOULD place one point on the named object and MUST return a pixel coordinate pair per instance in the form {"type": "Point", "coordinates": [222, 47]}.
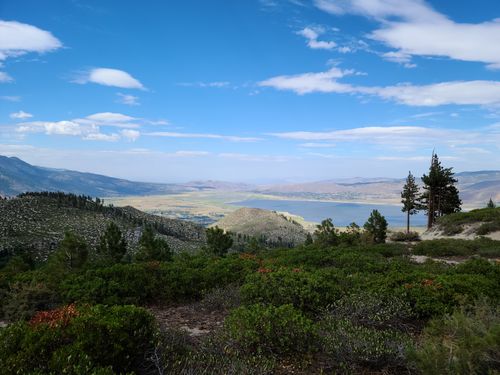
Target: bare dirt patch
{"type": "Point", "coordinates": [193, 318]}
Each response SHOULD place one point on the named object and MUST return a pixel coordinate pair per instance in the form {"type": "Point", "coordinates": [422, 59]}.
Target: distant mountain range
{"type": "Point", "coordinates": [476, 188]}
{"type": "Point", "coordinates": [17, 176]}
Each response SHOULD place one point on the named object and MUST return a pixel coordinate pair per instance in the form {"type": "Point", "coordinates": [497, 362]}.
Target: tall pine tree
{"type": "Point", "coordinates": [410, 199]}
{"type": "Point", "coordinates": [441, 195]}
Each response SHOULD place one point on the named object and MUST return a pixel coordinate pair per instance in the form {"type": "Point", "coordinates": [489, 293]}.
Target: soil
{"type": "Point", "coordinates": [193, 318]}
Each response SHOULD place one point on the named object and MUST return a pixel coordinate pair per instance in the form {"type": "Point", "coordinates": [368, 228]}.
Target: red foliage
{"type": "Point", "coordinates": [55, 318]}
{"type": "Point", "coordinates": [264, 270]}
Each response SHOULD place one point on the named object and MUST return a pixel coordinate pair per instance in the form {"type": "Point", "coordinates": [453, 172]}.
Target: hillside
{"type": "Point", "coordinates": [38, 222]}
{"type": "Point", "coordinates": [17, 176]}
{"type": "Point", "coordinates": [272, 226]}
{"type": "Point", "coordinates": [467, 225]}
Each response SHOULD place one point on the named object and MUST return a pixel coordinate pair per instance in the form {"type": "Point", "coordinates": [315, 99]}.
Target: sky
{"type": "Point", "coordinates": [250, 90]}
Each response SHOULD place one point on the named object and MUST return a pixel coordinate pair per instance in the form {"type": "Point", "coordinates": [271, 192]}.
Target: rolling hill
{"type": "Point", "coordinates": [269, 225]}
{"type": "Point", "coordinates": [37, 222]}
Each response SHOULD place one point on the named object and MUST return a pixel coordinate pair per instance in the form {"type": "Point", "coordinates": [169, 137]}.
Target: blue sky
{"type": "Point", "coordinates": [253, 90]}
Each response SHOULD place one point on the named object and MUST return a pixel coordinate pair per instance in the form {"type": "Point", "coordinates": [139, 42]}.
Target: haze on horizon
{"type": "Point", "coordinates": [254, 91]}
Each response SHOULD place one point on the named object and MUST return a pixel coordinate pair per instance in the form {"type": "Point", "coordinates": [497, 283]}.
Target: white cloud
{"type": "Point", "coordinates": [413, 27]}
{"type": "Point", "coordinates": [402, 138]}
{"type": "Point", "coordinates": [113, 119]}
{"type": "Point", "coordinates": [51, 128]}
{"type": "Point", "coordinates": [312, 34]}
{"type": "Point", "coordinates": [317, 145]}
{"type": "Point", "coordinates": [21, 115]}
{"type": "Point", "coordinates": [256, 158]}
{"type": "Point", "coordinates": [110, 77]}
{"type": "Point", "coordinates": [131, 135]}
{"type": "Point", "coordinates": [5, 78]}
{"type": "Point", "coordinates": [101, 137]}
{"type": "Point", "coordinates": [370, 134]}
{"type": "Point", "coordinates": [110, 117]}
{"type": "Point", "coordinates": [456, 92]}
{"type": "Point", "coordinates": [19, 38]}
{"type": "Point", "coordinates": [485, 93]}
{"type": "Point", "coordinates": [191, 153]}
{"type": "Point", "coordinates": [215, 84]}
{"type": "Point", "coordinates": [128, 99]}
{"type": "Point", "coordinates": [311, 82]}
{"type": "Point", "coordinates": [230, 138]}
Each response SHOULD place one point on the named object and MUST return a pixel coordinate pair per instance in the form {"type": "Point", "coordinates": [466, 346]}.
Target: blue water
{"type": "Point", "coordinates": [342, 213]}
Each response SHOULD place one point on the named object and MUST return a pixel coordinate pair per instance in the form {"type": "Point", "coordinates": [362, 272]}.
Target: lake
{"type": "Point", "coordinates": [342, 213]}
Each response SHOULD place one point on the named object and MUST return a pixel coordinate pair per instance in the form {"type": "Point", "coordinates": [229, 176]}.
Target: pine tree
{"type": "Point", "coordinates": [376, 225]}
{"type": "Point", "coordinates": [152, 247]}
{"type": "Point", "coordinates": [326, 234]}
{"type": "Point", "coordinates": [218, 242]}
{"type": "Point", "coordinates": [410, 199]}
{"type": "Point", "coordinates": [441, 196]}
{"type": "Point", "coordinates": [491, 204]}
{"type": "Point", "coordinates": [112, 246]}
{"type": "Point", "coordinates": [71, 253]}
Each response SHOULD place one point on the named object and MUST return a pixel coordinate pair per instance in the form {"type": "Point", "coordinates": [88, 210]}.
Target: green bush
{"type": "Point", "coordinates": [23, 299]}
{"type": "Point", "coordinates": [453, 223]}
{"type": "Point", "coordinates": [376, 310]}
{"type": "Point", "coordinates": [177, 353]}
{"type": "Point", "coordinates": [466, 342]}
{"type": "Point", "coordinates": [432, 297]}
{"type": "Point", "coordinates": [78, 341]}
{"type": "Point", "coordinates": [307, 291]}
{"type": "Point", "coordinates": [456, 247]}
{"type": "Point", "coordinates": [281, 330]}
{"type": "Point", "coordinates": [352, 346]}
{"type": "Point", "coordinates": [367, 329]}
{"type": "Point", "coordinates": [120, 284]}
{"type": "Point", "coordinates": [405, 237]}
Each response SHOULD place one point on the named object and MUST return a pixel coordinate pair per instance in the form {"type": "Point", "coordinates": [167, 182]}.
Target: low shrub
{"type": "Point", "coordinates": [305, 290]}
{"type": "Point", "coordinates": [457, 247]}
{"type": "Point", "coordinates": [350, 346]}
{"type": "Point", "coordinates": [278, 330]}
{"type": "Point", "coordinates": [79, 340]}
{"type": "Point", "coordinates": [178, 353]}
{"type": "Point", "coordinates": [376, 310]}
{"type": "Point", "coordinates": [404, 237]}
{"type": "Point", "coordinates": [22, 299]}
{"type": "Point", "coordinates": [120, 284]}
{"type": "Point", "coordinates": [366, 330]}
{"type": "Point", "coordinates": [222, 298]}
{"type": "Point", "coordinates": [433, 297]}
{"type": "Point", "coordinates": [465, 342]}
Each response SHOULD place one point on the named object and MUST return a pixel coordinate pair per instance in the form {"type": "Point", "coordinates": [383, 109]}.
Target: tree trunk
{"type": "Point", "coordinates": [430, 210]}
{"type": "Point", "coordinates": [408, 222]}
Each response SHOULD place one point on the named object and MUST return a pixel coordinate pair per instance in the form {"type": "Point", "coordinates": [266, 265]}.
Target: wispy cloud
{"type": "Point", "coordinates": [87, 128]}
{"type": "Point", "coordinates": [109, 77]}
{"type": "Point", "coordinates": [214, 84]}
{"type": "Point", "coordinates": [127, 99]}
{"type": "Point", "coordinates": [21, 115]}
{"type": "Point", "coordinates": [312, 33]}
{"type": "Point", "coordinates": [414, 28]}
{"type": "Point", "coordinates": [478, 92]}
{"type": "Point", "coordinates": [257, 157]}
{"type": "Point", "coordinates": [11, 98]}
{"type": "Point", "coordinates": [401, 137]}
{"type": "Point", "coordinates": [230, 138]}
{"type": "Point", "coordinates": [5, 77]}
